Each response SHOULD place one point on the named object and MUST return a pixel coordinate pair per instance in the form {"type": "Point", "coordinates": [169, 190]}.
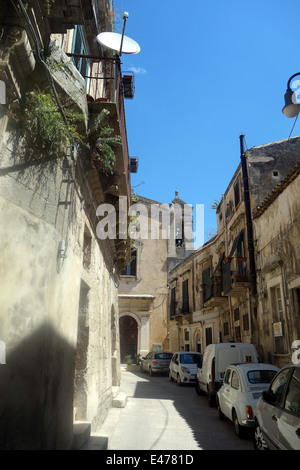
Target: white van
{"type": "Point", "coordinates": [216, 358]}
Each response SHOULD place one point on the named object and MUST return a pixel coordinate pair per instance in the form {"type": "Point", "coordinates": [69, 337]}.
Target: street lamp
{"type": "Point", "coordinates": [292, 107]}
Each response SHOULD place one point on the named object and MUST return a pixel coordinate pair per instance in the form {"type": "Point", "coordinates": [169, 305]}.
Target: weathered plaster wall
{"type": "Point", "coordinates": [277, 232]}
{"type": "Point", "coordinates": [42, 205]}
{"type": "Point", "coordinates": [39, 318]}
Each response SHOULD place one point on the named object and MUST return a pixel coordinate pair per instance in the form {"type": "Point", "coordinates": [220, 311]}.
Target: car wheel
{"type": "Point", "coordinates": [198, 389]}
{"type": "Point", "coordinates": [211, 400]}
{"type": "Point", "coordinates": [221, 415]}
{"type": "Point", "coordinates": [258, 439]}
{"type": "Point", "coordinates": [170, 376]}
{"type": "Point", "coordinates": [150, 372]}
{"type": "Point", "coordinates": [238, 428]}
{"type": "Point", "coordinates": [179, 380]}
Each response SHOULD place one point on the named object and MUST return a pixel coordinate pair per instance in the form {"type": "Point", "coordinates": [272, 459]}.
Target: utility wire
{"type": "Point", "coordinates": [293, 125]}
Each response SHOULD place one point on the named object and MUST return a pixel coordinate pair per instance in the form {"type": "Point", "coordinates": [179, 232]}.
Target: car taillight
{"type": "Point", "coordinates": [249, 412]}
{"type": "Point", "coordinates": [213, 369]}
{"type": "Point", "coordinates": [154, 362]}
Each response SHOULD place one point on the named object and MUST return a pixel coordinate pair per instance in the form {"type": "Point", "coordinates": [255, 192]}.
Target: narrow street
{"type": "Point", "coordinates": [160, 415]}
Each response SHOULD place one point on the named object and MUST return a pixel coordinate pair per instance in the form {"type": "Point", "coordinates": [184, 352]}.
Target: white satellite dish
{"type": "Point", "coordinates": [113, 41]}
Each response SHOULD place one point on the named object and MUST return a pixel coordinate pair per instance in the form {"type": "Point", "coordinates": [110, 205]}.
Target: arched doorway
{"type": "Point", "coordinates": [128, 337]}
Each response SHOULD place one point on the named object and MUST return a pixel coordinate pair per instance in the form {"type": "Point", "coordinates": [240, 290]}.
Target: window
{"type": "Point", "coordinates": [246, 325]}
{"type": "Point", "coordinates": [185, 296]}
{"type": "Point", "coordinates": [296, 295]}
{"type": "Point", "coordinates": [227, 376]}
{"type": "Point", "coordinates": [292, 401]}
{"type": "Point", "coordinates": [237, 197]}
{"type": "Point", "coordinates": [163, 356]}
{"type": "Point", "coordinates": [261, 376]}
{"type": "Point", "coordinates": [79, 47]}
{"type": "Point", "coordinates": [226, 329]}
{"type": "Point", "coordinates": [173, 302]}
{"type": "Point", "coordinates": [130, 269]}
{"type": "Point", "coordinates": [208, 336]}
{"type": "Point", "coordinates": [278, 387]}
{"type": "Point", "coordinates": [238, 336]}
{"type": "Point", "coordinates": [235, 383]}
{"type": "Point", "coordinates": [206, 281]}
{"type": "Point", "coordinates": [236, 314]}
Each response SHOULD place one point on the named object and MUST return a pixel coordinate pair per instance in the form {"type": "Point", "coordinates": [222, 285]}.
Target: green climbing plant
{"type": "Point", "coordinates": [44, 127]}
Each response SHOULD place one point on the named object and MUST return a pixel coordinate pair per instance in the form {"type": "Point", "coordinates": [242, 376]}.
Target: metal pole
{"type": "Point", "coordinates": [125, 16]}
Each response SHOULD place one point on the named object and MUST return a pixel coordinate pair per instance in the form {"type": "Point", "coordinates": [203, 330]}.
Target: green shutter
{"type": "Point", "coordinates": [185, 296]}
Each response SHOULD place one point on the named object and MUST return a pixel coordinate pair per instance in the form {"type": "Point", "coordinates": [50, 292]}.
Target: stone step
{"type": "Point", "coordinates": [81, 434]}
{"type": "Point", "coordinates": [96, 442]}
{"type": "Point", "coordinates": [120, 400]}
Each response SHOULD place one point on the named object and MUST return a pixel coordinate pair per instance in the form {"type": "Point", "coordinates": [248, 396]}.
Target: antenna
{"type": "Point", "coordinates": [118, 42]}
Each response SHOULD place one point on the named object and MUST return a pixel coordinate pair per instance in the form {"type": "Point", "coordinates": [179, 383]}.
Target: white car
{"type": "Point", "coordinates": [243, 385]}
{"type": "Point", "coordinates": [184, 365]}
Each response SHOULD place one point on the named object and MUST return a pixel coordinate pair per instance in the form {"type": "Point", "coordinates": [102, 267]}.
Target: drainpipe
{"type": "Point", "coordinates": [253, 289]}
{"type": "Point", "coordinates": [248, 216]}
{"type": "Point", "coordinates": [226, 254]}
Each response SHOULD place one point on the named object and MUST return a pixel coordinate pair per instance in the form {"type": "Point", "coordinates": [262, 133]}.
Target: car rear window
{"type": "Point", "coordinates": [163, 356]}
{"type": "Point", "coordinates": [261, 376]}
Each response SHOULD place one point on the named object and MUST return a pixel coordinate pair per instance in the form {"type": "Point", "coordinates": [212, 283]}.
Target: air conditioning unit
{"type": "Point", "coordinates": [128, 85]}
{"type": "Point", "coordinates": [133, 164]}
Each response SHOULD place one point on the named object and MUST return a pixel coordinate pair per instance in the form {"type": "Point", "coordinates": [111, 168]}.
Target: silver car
{"type": "Point", "coordinates": [277, 415]}
{"type": "Point", "coordinates": [156, 362]}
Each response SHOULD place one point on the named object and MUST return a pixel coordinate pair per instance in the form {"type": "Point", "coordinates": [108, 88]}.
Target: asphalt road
{"type": "Point", "coordinates": [160, 415]}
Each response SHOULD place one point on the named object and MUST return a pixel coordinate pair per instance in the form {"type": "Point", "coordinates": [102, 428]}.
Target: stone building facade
{"type": "Point", "coordinates": [59, 317]}
{"type": "Point", "coordinates": [144, 289]}
{"type": "Point", "coordinates": [276, 224]}
{"type": "Point", "coordinates": [242, 285]}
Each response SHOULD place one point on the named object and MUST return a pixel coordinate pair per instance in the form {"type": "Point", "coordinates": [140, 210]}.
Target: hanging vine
{"type": "Point", "coordinates": [44, 128]}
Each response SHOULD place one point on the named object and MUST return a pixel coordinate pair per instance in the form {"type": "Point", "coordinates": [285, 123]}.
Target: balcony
{"type": "Point", "coordinates": [236, 280]}
{"type": "Point", "coordinates": [104, 88]}
{"type": "Point", "coordinates": [104, 91]}
{"type": "Point", "coordinates": [216, 297]}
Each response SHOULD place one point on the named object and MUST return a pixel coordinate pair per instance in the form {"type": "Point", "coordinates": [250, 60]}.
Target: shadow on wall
{"type": "Point", "coordinates": [36, 393]}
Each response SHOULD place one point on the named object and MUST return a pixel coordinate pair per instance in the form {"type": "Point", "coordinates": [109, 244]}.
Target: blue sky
{"type": "Point", "coordinates": [207, 72]}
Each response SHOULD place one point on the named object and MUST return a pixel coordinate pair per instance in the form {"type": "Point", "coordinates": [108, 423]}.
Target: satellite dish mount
{"type": "Point", "coordinates": [119, 43]}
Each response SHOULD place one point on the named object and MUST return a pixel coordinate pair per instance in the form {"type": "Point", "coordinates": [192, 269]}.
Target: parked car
{"type": "Point", "coordinates": [156, 362]}
{"type": "Point", "coordinates": [216, 358]}
{"type": "Point", "coordinates": [184, 366]}
{"type": "Point", "coordinates": [243, 385]}
{"type": "Point", "coordinates": [277, 415]}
